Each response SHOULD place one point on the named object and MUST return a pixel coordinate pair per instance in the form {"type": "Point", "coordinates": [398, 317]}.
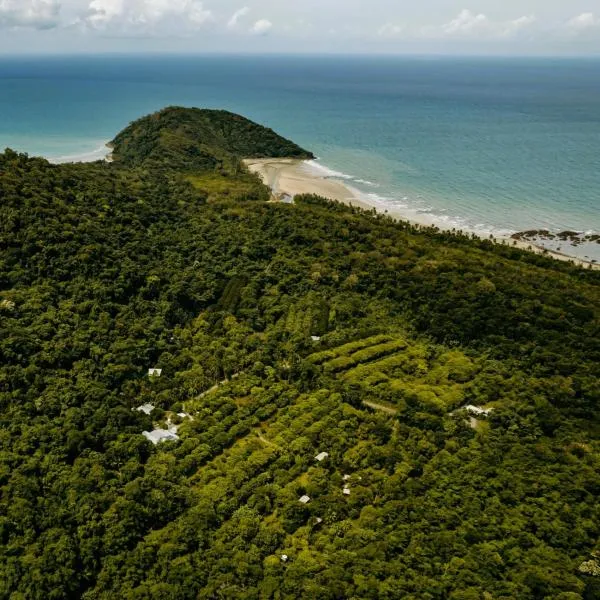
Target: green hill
{"type": "Point", "coordinates": [282, 332]}
{"type": "Point", "coordinates": [185, 138]}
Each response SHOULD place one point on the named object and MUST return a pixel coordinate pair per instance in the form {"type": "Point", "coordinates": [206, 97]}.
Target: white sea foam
{"type": "Point", "coordinates": [416, 208]}
{"type": "Point", "coordinates": [99, 153]}
{"type": "Point", "coordinates": [327, 172]}
{"type": "Point", "coordinates": [378, 199]}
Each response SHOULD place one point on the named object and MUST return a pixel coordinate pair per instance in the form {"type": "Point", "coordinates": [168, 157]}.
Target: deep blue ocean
{"type": "Point", "coordinates": [493, 145]}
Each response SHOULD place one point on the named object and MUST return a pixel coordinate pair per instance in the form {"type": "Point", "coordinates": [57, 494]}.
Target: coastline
{"type": "Point", "coordinates": [103, 152]}
{"type": "Point", "coordinates": [291, 177]}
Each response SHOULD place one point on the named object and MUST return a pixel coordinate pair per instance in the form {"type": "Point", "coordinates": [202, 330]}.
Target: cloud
{"type": "Point", "coordinates": [103, 11]}
{"type": "Point", "coordinates": [34, 14]}
{"type": "Point", "coordinates": [466, 23]}
{"type": "Point", "coordinates": [583, 22]}
{"type": "Point", "coordinates": [237, 15]}
{"type": "Point", "coordinates": [390, 30]}
{"type": "Point", "coordinates": [262, 27]}
{"type": "Point", "coordinates": [477, 25]}
{"type": "Point", "coordinates": [512, 27]}
{"type": "Point", "coordinates": [146, 14]}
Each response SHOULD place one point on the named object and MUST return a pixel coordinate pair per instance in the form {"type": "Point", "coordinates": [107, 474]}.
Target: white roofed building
{"type": "Point", "coordinates": [477, 411]}
{"type": "Point", "coordinates": [160, 435]}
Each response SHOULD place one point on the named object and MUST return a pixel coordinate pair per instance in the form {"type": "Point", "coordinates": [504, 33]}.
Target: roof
{"type": "Point", "coordinates": [185, 415]}
{"type": "Point", "coordinates": [145, 408]}
{"type": "Point", "coordinates": [160, 435]}
{"type": "Point", "coordinates": [171, 427]}
{"type": "Point", "coordinates": [476, 410]}
{"type": "Point", "coordinates": [155, 372]}
{"type": "Point", "coordinates": [304, 499]}
{"type": "Point", "coordinates": [315, 338]}
{"type": "Point", "coordinates": [321, 456]}
{"type": "Point", "coordinates": [346, 491]}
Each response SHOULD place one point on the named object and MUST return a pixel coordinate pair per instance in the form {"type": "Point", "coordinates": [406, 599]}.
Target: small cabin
{"type": "Point", "coordinates": [477, 411]}
{"type": "Point", "coordinates": [321, 456]}
{"type": "Point", "coordinates": [304, 499]}
{"type": "Point", "coordinates": [154, 372]}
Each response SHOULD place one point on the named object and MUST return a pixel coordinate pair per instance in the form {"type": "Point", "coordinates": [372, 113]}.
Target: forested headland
{"type": "Point", "coordinates": [453, 384]}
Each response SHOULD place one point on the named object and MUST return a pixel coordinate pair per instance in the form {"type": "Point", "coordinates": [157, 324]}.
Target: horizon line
{"type": "Point", "coordinates": [231, 54]}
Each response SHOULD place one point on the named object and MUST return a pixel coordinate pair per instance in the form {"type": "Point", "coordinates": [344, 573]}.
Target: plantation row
{"type": "Point", "coordinates": [231, 294]}
{"type": "Point", "coordinates": [348, 349]}
{"type": "Point", "coordinates": [343, 363]}
{"type": "Point", "coordinates": [249, 494]}
{"type": "Point", "coordinates": [308, 317]}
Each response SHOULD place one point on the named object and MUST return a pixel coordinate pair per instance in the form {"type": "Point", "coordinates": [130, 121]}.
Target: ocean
{"type": "Point", "coordinates": [491, 145]}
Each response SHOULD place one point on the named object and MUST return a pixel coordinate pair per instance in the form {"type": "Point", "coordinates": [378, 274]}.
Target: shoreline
{"type": "Point", "coordinates": [101, 153]}
{"type": "Point", "coordinates": [288, 177]}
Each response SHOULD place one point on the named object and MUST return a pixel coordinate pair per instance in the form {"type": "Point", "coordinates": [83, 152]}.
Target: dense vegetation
{"type": "Point", "coordinates": [199, 139]}
{"type": "Point", "coordinates": [283, 331]}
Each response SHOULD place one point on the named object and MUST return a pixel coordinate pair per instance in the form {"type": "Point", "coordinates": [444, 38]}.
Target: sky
{"type": "Point", "coordinates": [479, 27]}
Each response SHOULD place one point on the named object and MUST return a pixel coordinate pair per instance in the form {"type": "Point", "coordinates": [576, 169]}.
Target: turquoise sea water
{"type": "Point", "coordinates": [493, 145]}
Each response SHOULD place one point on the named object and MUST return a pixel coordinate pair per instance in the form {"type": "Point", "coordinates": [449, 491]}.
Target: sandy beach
{"type": "Point", "coordinates": [291, 177]}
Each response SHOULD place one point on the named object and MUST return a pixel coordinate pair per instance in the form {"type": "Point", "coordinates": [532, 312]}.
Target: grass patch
{"type": "Point", "coordinates": [218, 186]}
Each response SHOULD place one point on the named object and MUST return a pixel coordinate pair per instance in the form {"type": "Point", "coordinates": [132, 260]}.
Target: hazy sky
{"type": "Point", "coordinates": [370, 26]}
